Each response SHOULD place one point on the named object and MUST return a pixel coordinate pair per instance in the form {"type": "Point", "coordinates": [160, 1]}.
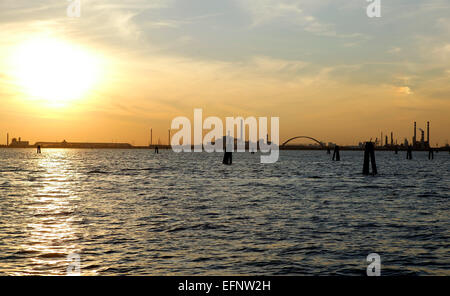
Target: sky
{"type": "Point", "coordinates": [324, 67]}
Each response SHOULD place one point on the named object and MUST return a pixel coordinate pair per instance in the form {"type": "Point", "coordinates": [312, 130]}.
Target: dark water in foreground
{"type": "Point", "coordinates": [133, 212]}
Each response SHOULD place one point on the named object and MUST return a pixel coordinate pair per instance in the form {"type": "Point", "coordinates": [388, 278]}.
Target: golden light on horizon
{"type": "Point", "coordinates": [53, 70]}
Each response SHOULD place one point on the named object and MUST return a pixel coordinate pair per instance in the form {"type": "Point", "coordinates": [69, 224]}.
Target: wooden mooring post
{"type": "Point", "coordinates": [227, 158]}
{"type": "Point", "coordinates": [369, 155]}
{"type": "Point", "coordinates": [409, 153]}
{"type": "Point", "coordinates": [336, 155]}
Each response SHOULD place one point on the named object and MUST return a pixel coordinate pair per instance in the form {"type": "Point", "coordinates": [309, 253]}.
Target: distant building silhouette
{"type": "Point", "coordinates": [19, 143]}
{"type": "Point", "coordinates": [65, 144]}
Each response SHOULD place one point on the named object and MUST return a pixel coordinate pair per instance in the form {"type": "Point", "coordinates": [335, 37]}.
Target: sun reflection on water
{"type": "Point", "coordinates": [51, 226]}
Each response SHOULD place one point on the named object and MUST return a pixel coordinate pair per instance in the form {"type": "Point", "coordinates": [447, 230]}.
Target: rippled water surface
{"type": "Point", "coordinates": [133, 212]}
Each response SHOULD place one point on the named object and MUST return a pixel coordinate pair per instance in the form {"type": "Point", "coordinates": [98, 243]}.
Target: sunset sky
{"type": "Point", "coordinates": [325, 68]}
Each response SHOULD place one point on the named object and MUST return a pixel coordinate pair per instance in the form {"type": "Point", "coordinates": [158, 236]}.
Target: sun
{"type": "Point", "coordinates": [54, 71]}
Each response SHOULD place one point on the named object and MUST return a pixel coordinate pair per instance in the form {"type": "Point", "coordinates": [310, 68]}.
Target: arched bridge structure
{"type": "Point", "coordinates": [304, 137]}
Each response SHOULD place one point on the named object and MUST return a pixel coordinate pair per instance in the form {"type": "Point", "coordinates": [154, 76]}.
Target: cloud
{"type": "Point", "coordinates": [404, 90]}
{"type": "Point", "coordinates": [443, 24]}
{"type": "Point", "coordinates": [267, 11]}
{"type": "Point", "coordinates": [442, 52]}
{"type": "Point", "coordinates": [100, 19]}
{"type": "Point", "coordinates": [394, 50]}
{"type": "Point", "coordinates": [303, 14]}
{"type": "Point", "coordinates": [273, 65]}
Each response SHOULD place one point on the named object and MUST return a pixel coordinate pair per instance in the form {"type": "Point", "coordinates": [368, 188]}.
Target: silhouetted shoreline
{"type": "Point", "coordinates": [165, 147]}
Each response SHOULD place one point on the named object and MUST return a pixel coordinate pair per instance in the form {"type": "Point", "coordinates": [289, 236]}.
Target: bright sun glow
{"type": "Point", "coordinates": [54, 71]}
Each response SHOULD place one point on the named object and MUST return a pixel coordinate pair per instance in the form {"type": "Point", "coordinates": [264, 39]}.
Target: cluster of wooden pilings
{"type": "Point", "coordinates": [369, 156]}
{"type": "Point", "coordinates": [336, 155]}
{"type": "Point", "coordinates": [409, 153]}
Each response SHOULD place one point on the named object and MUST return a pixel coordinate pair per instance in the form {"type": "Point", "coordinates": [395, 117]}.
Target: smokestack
{"type": "Point", "coordinates": [7, 139]}
{"type": "Point", "coordinates": [151, 137]}
{"type": "Point", "coordinates": [428, 132]}
{"type": "Point", "coordinates": [392, 139]}
{"type": "Point", "coordinates": [414, 139]}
